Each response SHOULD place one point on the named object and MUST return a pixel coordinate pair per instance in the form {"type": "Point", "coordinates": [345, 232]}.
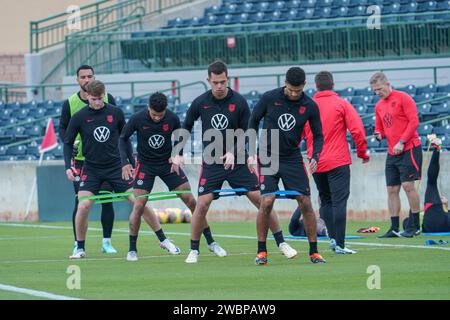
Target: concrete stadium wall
{"type": "Point", "coordinates": [368, 198]}
{"type": "Point", "coordinates": [351, 79]}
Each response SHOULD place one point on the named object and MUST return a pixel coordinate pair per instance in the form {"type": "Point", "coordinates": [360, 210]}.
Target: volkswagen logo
{"type": "Point", "coordinates": [219, 122]}
{"type": "Point", "coordinates": [101, 134]}
{"type": "Point", "coordinates": [286, 122]}
{"type": "Point", "coordinates": [156, 141]}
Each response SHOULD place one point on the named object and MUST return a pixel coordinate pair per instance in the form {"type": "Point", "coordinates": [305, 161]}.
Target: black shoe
{"type": "Point", "coordinates": [409, 233]}
{"type": "Point", "coordinates": [390, 234]}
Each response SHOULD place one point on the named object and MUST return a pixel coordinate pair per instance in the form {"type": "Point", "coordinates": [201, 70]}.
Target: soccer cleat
{"type": "Point", "coordinates": [317, 258]}
{"type": "Point", "coordinates": [332, 244]}
{"type": "Point", "coordinates": [75, 248]}
{"type": "Point", "coordinates": [80, 254]}
{"type": "Point", "coordinates": [132, 256]}
{"type": "Point", "coordinates": [391, 233]}
{"type": "Point", "coordinates": [410, 232]}
{"type": "Point", "coordinates": [217, 249]}
{"type": "Point", "coordinates": [107, 247]}
{"type": "Point", "coordinates": [344, 250]}
{"type": "Point", "coordinates": [287, 250]}
{"type": "Point", "coordinates": [170, 247]}
{"type": "Point", "coordinates": [261, 258]}
{"type": "Point", "coordinates": [192, 257]}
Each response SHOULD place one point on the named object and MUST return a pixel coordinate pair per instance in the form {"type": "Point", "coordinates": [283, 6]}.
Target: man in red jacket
{"type": "Point", "coordinates": [396, 120]}
{"type": "Point", "coordinates": [332, 176]}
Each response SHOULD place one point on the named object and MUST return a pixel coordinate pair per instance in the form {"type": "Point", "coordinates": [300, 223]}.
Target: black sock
{"type": "Point", "coordinates": [195, 244]}
{"type": "Point", "coordinates": [74, 214]}
{"type": "Point", "coordinates": [133, 243]}
{"type": "Point", "coordinates": [160, 234]}
{"type": "Point", "coordinates": [262, 246]}
{"type": "Point", "coordinates": [107, 219]}
{"type": "Point", "coordinates": [395, 222]}
{"type": "Point", "coordinates": [416, 220]}
{"type": "Point", "coordinates": [80, 244]}
{"type": "Point", "coordinates": [312, 248]}
{"type": "Point", "coordinates": [278, 237]}
{"type": "Point", "coordinates": [208, 235]}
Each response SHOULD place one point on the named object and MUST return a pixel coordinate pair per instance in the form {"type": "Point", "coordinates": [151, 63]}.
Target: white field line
{"type": "Point", "coordinates": [386, 245]}
{"type": "Point", "coordinates": [35, 293]}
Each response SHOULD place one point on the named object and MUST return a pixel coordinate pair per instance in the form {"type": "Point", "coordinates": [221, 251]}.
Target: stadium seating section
{"type": "Point", "coordinates": [362, 99]}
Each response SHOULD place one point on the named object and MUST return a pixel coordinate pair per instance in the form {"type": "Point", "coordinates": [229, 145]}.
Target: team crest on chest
{"type": "Point", "coordinates": [302, 110]}
{"type": "Point", "coordinates": [231, 107]}
{"type": "Point", "coordinates": [109, 118]}
{"type": "Point", "coordinates": [165, 127]}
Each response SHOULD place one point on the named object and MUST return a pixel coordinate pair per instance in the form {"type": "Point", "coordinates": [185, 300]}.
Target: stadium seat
{"type": "Point", "coordinates": [426, 6]}
{"type": "Point", "coordinates": [17, 150]}
{"type": "Point", "coordinates": [373, 144]}
{"type": "Point", "coordinates": [431, 88]}
{"type": "Point", "coordinates": [347, 92]}
{"type": "Point", "coordinates": [443, 5]}
{"type": "Point", "coordinates": [442, 109]}
{"type": "Point", "coordinates": [408, 8]}
{"type": "Point", "coordinates": [442, 131]}
{"type": "Point", "coordinates": [444, 88]}
{"type": "Point", "coordinates": [423, 97]}
{"type": "Point", "coordinates": [409, 89]}
{"type": "Point", "coordinates": [424, 129]}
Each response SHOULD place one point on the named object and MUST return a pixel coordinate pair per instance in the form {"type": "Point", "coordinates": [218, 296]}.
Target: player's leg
{"type": "Point", "coordinates": [326, 206]}
{"type": "Point", "coordinates": [81, 223]}
{"type": "Point", "coordinates": [135, 221]}
{"type": "Point", "coordinates": [107, 220]}
{"type": "Point", "coordinates": [76, 185]}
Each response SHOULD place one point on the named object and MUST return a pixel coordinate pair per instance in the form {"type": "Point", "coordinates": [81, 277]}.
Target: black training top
{"type": "Point", "coordinates": [100, 131]}
{"type": "Point", "coordinates": [66, 115]}
{"type": "Point", "coordinates": [290, 118]}
{"type": "Point", "coordinates": [229, 113]}
{"type": "Point", "coordinates": [154, 139]}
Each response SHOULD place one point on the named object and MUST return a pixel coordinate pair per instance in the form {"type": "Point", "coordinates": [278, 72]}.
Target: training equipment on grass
{"type": "Point", "coordinates": [187, 215]}
{"type": "Point", "coordinates": [230, 192]}
{"type": "Point", "coordinates": [285, 194]}
{"type": "Point", "coordinates": [321, 238]}
{"type": "Point", "coordinates": [107, 196]}
{"type": "Point", "coordinates": [433, 242]}
{"type": "Point", "coordinates": [174, 215]}
{"type": "Point", "coordinates": [436, 233]}
{"type": "Point", "coordinates": [163, 195]}
{"type": "Point", "coordinates": [369, 230]}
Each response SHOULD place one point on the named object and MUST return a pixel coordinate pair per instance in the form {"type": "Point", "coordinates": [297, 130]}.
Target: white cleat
{"type": "Point", "coordinates": [169, 246]}
{"type": "Point", "coordinates": [80, 254]}
{"type": "Point", "coordinates": [132, 256]}
{"type": "Point", "coordinates": [332, 244]}
{"type": "Point", "coordinates": [75, 248]}
{"type": "Point", "coordinates": [287, 250]}
{"type": "Point", "coordinates": [192, 257]}
{"type": "Point", "coordinates": [344, 250]}
{"type": "Point", "coordinates": [217, 249]}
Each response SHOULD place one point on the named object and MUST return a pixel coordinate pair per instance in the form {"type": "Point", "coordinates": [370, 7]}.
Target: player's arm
{"type": "Point", "coordinates": [176, 159]}
{"type": "Point", "coordinates": [259, 111]}
{"type": "Point", "coordinates": [125, 147]}
{"type": "Point", "coordinates": [64, 120]}
{"type": "Point", "coordinates": [379, 130]}
{"type": "Point", "coordinates": [111, 100]}
{"type": "Point", "coordinates": [355, 126]}
{"type": "Point", "coordinates": [71, 133]}
{"type": "Point", "coordinates": [316, 128]}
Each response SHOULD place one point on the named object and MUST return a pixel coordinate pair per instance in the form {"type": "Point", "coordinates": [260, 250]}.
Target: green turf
{"type": "Point", "coordinates": [37, 259]}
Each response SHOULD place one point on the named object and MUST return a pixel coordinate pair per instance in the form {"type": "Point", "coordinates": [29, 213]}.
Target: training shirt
{"type": "Point", "coordinates": [99, 131]}
{"type": "Point", "coordinates": [290, 118]}
{"type": "Point", "coordinates": [231, 112]}
{"type": "Point", "coordinates": [396, 118]}
{"type": "Point", "coordinates": [154, 139]}
{"type": "Point", "coordinates": [336, 115]}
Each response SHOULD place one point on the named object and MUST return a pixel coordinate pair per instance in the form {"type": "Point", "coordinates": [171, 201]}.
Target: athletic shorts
{"type": "Point", "coordinates": [92, 179]}
{"type": "Point", "coordinates": [292, 173]}
{"type": "Point", "coordinates": [212, 177]}
{"type": "Point", "coordinates": [78, 164]}
{"type": "Point", "coordinates": [144, 176]}
{"type": "Point", "coordinates": [404, 167]}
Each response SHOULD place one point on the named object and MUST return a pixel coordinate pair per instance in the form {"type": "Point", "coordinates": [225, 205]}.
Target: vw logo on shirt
{"type": "Point", "coordinates": [156, 141]}
{"type": "Point", "coordinates": [219, 121]}
{"type": "Point", "coordinates": [286, 122]}
{"type": "Point", "coordinates": [101, 134]}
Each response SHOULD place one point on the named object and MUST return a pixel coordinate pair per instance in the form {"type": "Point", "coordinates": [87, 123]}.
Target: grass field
{"type": "Point", "coordinates": [35, 257]}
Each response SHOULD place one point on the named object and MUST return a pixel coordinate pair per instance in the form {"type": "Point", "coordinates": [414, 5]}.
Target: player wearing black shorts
{"type": "Point", "coordinates": [99, 126]}
{"type": "Point", "coordinates": [285, 111]}
{"type": "Point", "coordinates": [223, 110]}
{"type": "Point", "coordinates": [154, 127]}
{"type": "Point", "coordinates": [85, 75]}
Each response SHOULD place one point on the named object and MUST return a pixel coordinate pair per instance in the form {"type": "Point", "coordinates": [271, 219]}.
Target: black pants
{"type": "Point", "coordinates": [334, 190]}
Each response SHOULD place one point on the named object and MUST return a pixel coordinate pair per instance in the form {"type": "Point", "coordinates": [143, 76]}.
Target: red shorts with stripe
{"type": "Point", "coordinates": [404, 167]}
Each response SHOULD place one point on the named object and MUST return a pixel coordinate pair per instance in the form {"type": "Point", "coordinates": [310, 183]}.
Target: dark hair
{"type": "Point", "coordinates": [95, 88]}
{"type": "Point", "coordinates": [158, 102]}
{"type": "Point", "coordinates": [84, 67]}
{"type": "Point", "coordinates": [295, 76]}
{"type": "Point", "coordinates": [217, 67]}
{"type": "Point", "coordinates": [324, 81]}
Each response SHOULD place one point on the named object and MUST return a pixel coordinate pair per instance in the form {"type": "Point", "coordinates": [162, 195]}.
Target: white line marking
{"type": "Point", "coordinates": [35, 293]}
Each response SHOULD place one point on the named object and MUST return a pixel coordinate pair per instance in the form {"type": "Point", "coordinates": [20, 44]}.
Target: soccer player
{"type": "Point", "coordinates": [436, 217]}
{"type": "Point", "coordinates": [285, 111]}
{"type": "Point", "coordinates": [297, 226]}
{"type": "Point", "coordinates": [332, 176]}
{"type": "Point", "coordinates": [154, 127]}
{"type": "Point", "coordinates": [221, 109]}
{"type": "Point", "coordinates": [396, 120]}
{"type": "Point", "coordinates": [99, 126]}
{"type": "Point", "coordinates": [85, 75]}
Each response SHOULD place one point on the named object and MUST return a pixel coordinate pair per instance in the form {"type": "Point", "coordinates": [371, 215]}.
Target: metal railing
{"type": "Point", "coordinates": [96, 17]}
{"type": "Point", "coordinates": [265, 44]}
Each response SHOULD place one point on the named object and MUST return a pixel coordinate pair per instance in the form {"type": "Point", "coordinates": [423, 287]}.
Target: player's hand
{"type": "Point", "coordinates": [70, 175]}
{"type": "Point", "coordinates": [312, 165]}
{"type": "Point", "coordinates": [177, 163]}
{"type": "Point", "coordinates": [366, 157]}
{"type": "Point", "coordinates": [229, 161]}
{"type": "Point", "coordinates": [251, 162]}
{"type": "Point", "coordinates": [378, 136]}
{"type": "Point", "coordinates": [398, 148]}
{"type": "Point", "coordinates": [127, 172]}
